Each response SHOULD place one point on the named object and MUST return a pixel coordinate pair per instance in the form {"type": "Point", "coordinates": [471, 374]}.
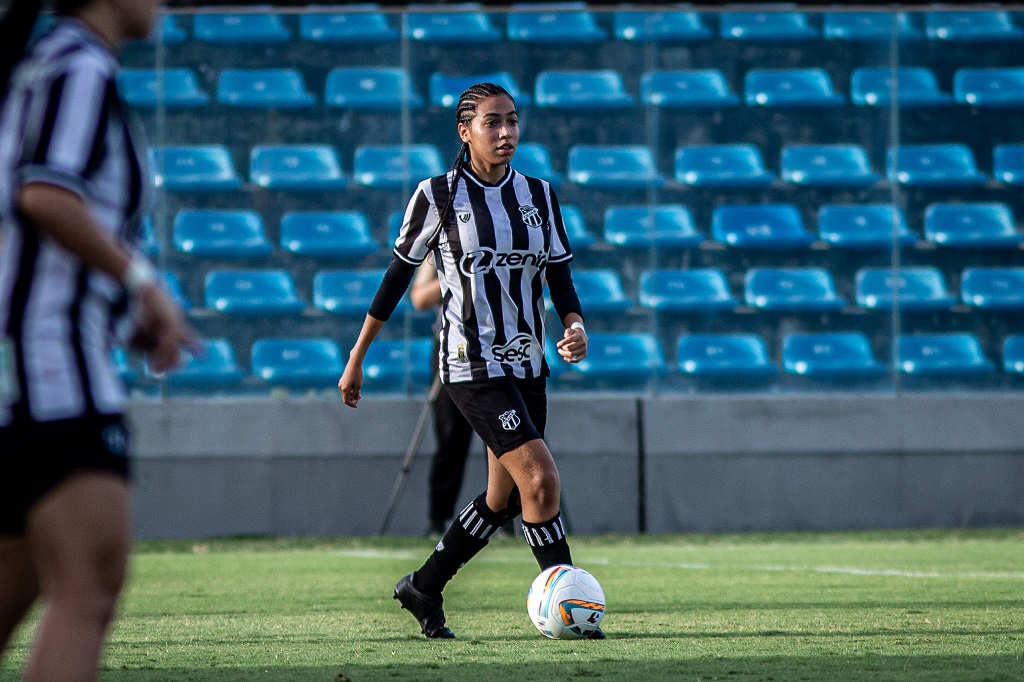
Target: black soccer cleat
{"type": "Point", "coordinates": [426, 609]}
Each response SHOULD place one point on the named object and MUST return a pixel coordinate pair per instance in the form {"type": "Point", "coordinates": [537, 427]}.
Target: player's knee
{"type": "Point", "coordinates": [90, 588]}
{"type": "Point", "coordinates": [544, 489]}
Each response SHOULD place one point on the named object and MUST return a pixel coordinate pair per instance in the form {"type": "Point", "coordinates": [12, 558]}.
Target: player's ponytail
{"type": "Point", "coordinates": [15, 30]}
{"type": "Point", "coordinates": [464, 113]}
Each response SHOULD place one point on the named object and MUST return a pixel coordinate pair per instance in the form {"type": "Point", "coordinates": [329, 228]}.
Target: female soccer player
{"type": "Point", "coordinates": [72, 186]}
{"type": "Point", "coordinates": [496, 235]}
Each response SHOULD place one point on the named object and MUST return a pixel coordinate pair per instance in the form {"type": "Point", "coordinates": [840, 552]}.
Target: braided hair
{"type": "Point", "coordinates": [465, 111]}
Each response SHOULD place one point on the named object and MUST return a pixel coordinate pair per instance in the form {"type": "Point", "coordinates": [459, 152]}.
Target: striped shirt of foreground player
{"type": "Point", "coordinates": [496, 235]}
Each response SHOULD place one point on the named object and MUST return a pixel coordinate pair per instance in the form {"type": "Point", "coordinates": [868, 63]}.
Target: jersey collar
{"type": "Point", "coordinates": [483, 183]}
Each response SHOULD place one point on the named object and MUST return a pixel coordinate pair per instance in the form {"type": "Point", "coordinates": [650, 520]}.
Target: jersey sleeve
{"type": "Point", "coordinates": [418, 226]}
{"type": "Point", "coordinates": [559, 250]}
{"type": "Point", "coordinates": [66, 131]}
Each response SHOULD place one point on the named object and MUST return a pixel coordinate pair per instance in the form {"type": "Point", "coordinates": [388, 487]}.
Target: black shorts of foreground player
{"type": "Point", "coordinates": [496, 235]}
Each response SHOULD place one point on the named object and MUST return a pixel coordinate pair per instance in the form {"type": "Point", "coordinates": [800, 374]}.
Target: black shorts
{"type": "Point", "coordinates": [505, 413]}
{"type": "Point", "coordinates": [37, 456]}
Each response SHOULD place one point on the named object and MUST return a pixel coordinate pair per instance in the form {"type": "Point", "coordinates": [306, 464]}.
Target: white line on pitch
{"type": "Point", "coordinates": [843, 570]}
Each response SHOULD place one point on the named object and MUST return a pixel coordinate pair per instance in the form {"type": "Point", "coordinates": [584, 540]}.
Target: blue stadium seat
{"type": "Point", "coordinates": [360, 25]}
{"type": "Point", "coordinates": [396, 166]}
{"type": "Point", "coordinates": [395, 220]}
{"type": "Point", "coordinates": [916, 86]}
{"type": "Point", "coordinates": [971, 26]}
{"type": "Point", "coordinates": [990, 88]}
{"type": "Point", "coordinates": [942, 355]}
{"type": "Point", "coordinates": [128, 374]}
{"type": "Point", "coordinates": [298, 363]}
{"type": "Point", "coordinates": [446, 90]}
{"type": "Point", "coordinates": [722, 165]}
{"type": "Point", "coordinates": [198, 168]}
{"type": "Point", "coordinates": [1008, 163]}
{"type": "Point", "coordinates": [667, 226]}
{"type": "Point", "coordinates": [371, 89]}
{"type": "Point", "coordinates": [586, 91]}
{"type": "Point", "coordinates": [533, 159]}
{"type": "Point", "coordinates": [252, 292]}
{"type": "Point", "coordinates": [660, 26]}
{"type": "Point", "coordinates": [1013, 354]}
{"type": "Point", "coordinates": [336, 234]}
{"type": "Point", "coordinates": [972, 226]}
{"type": "Point", "coordinates": [600, 292]}
{"type": "Point", "coordinates": [558, 23]}
{"type": "Point", "coordinates": [389, 364]}
{"type": "Point", "coordinates": [937, 165]}
{"type": "Point", "coordinates": [580, 238]}
{"type": "Point", "coordinates": [686, 291]}
{"type": "Point", "coordinates": [350, 292]}
{"type": "Point", "coordinates": [827, 165]}
{"type": "Point", "coordinates": [613, 167]}
{"type": "Point", "coordinates": [796, 290]}
{"type": "Point", "coordinates": [993, 288]}
{"type": "Point", "coordinates": [296, 167]}
{"type": "Point", "coordinates": [172, 283]}
{"type": "Point", "coordinates": [724, 356]}
{"type": "Point", "coordinates": [831, 357]}
{"type": "Point", "coordinates": [791, 88]}
{"type": "Point", "coordinates": [917, 288]}
{"type": "Point", "coordinates": [557, 366]}
{"type": "Point", "coordinates": [767, 26]}
{"type": "Point", "coordinates": [263, 89]}
{"type": "Point", "coordinates": [450, 28]}
{"type": "Point", "coordinates": [221, 234]}
{"type": "Point", "coordinates": [168, 31]}
{"type": "Point", "coordinates": [148, 242]}
{"type": "Point", "coordinates": [698, 89]}
{"type": "Point", "coordinates": [774, 227]}
{"type": "Point", "coordinates": [240, 29]}
{"type": "Point", "coordinates": [622, 357]}
{"type": "Point", "coordinates": [869, 26]}
{"type": "Point", "coordinates": [170, 88]}
{"type": "Point", "coordinates": [863, 226]}
{"type": "Point", "coordinates": [213, 368]}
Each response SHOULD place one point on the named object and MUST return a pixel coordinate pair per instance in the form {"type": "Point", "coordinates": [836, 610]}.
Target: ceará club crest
{"type": "Point", "coordinates": [531, 215]}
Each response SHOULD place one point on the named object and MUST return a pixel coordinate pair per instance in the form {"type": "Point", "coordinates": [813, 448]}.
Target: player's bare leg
{"type": "Point", "coordinates": [18, 586]}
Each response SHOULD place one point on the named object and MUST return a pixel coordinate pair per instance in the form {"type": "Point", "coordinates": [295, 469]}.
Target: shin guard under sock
{"type": "Point", "coordinates": [467, 535]}
{"type": "Point", "coordinates": [547, 540]}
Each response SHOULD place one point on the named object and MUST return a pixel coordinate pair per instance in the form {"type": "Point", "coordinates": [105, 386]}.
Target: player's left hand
{"type": "Point", "coordinates": [573, 346]}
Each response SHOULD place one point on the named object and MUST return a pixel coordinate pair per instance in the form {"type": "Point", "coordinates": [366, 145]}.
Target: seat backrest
{"type": "Point", "coordinates": [297, 362]}
{"type": "Point", "coordinates": [445, 90]}
{"type": "Point", "coordinates": [803, 162]}
{"type": "Point", "coordinates": [371, 89]}
{"type": "Point", "coordinates": [993, 287]}
{"type": "Point", "coordinates": [295, 165]}
{"type": "Point", "coordinates": [341, 233]}
{"type": "Point", "coordinates": [389, 362]}
{"type": "Point", "coordinates": [533, 159]}
{"type": "Point", "coordinates": [720, 164]}
{"type": "Point", "coordinates": [576, 227]}
{"type": "Point", "coordinates": [195, 167]}
{"type": "Point", "coordinates": [613, 166]}
{"type": "Point", "coordinates": [928, 353]}
{"type": "Point", "coordinates": [1013, 353]}
{"type": "Point", "coordinates": [601, 285]}
{"type": "Point", "coordinates": [559, 23]}
{"type": "Point", "coordinates": [660, 220]}
{"type": "Point", "coordinates": [225, 286]}
{"type": "Point", "coordinates": [850, 224]}
{"type": "Point", "coordinates": [948, 222]}
{"type": "Point", "coordinates": [700, 284]}
{"type": "Point", "coordinates": [989, 87]}
{"type": "Point", "coordinates": [588, 90]}
{"type": "Point", "coordinates": [764, 284]}
{"type": "Point", "coordinates": [624, 355]}
{"type": "Point", "coordinates": [664, 25]}
{"type": "Point", "coordinates": [869, 26]}
{"type": "Point", "coordinates": [455, 27]}
{"type": "Point", "coordinates": [205, 231]}
{"type": "Point", "coordinates": [349, 292]}
{"type": "Point", "coordinates": [877, 287]}
{"type": "Point", "coordinates": [923, 164]}
{"type": "Point", "coordinates": [915, 86]}
{"type": "Point", "coordinates": [723, 354]}
{"type": "Point", "coordinates": [240, 29]}
{"type": "Point", "coordinates": [694, 89]}
{"type": "Point", "coordinates": [790, 87]}
{"type": "Point", "coordinates": [148, 88]}
{"type": "Point", "coordinates": [770, 26]}
{"type": "Point", "coordinates": [970, 26]}
{"type": "Point", "coordinates": [215, 361]}
{"type": "Point", "coordinates": [395, 166]}
{"type": "Point", "coordinates": [360, 25]}
{"type": "Point", "coordinates": [759, 225]}
{"type": "Point", "coordinates": [262, 87]}
{"type": "Point", "coordinates": [835, 347]}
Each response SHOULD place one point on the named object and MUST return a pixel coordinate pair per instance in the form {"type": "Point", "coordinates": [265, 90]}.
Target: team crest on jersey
{"type": "Point", "coordinates": [509, 420]}
{"type": "Point", "coordinates": [531, 215]}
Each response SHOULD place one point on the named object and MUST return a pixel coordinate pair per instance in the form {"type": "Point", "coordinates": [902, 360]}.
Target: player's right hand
{"type": "Point", "coordinates": [163, 328]}
{"type": "Point", "coordinates": [351, 382]}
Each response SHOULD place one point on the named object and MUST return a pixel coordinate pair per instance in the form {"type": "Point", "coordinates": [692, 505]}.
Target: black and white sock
{"type": "Point", "coordinates": [548, 542]}
{"type": "Point", "coordinates": [468, 534]}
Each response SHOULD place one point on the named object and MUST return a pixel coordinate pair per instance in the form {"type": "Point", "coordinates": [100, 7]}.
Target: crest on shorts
{"type": "Point", "coordinates": [531, 215]}
{"type": "Point", "coordinates": [509, 420]}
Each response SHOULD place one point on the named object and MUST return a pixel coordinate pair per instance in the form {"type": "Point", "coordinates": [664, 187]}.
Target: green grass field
{"type": "Point", "coordinates": [925, 605]}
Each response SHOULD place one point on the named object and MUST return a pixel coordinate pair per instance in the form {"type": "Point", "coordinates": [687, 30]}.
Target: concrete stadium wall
{"type": "Point", "coordinates": [312, 467]}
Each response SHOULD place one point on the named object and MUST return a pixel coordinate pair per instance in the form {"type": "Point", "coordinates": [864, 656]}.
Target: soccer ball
{"type": "Point", "coordinates": [565, 602]}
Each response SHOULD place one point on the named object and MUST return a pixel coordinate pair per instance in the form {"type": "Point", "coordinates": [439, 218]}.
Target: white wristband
{"type": "Point", "coordinates": [578, 325]}
{"type": "Point", "coordinates": [139, 275]}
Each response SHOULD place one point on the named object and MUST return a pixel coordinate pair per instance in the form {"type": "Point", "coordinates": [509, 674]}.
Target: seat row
{"type": "Point", "coordinates": [785, 290]}
{"type": "Point", "coordinates": [348, 234]}
{"type": "Point", "coordinates": [572, 23]}
{"type": "Point", "coordinates": [383, 89]}
{"type": "Point", "coordinates": [316, 363]}
{"type": "Point", "coordinates": [318, 167]}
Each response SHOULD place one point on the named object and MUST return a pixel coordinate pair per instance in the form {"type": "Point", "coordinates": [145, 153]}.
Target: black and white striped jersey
{"type": "Point", "coordinates": [63, 124]}
{"type": "Point", "coordinates": [491, 260]}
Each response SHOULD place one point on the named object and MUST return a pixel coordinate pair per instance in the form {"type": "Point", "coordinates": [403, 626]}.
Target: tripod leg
{"type": "Point", "coordinates": [410, 457]}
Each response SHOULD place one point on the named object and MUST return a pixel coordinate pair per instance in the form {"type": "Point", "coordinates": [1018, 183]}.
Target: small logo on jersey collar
{"type": "Point", "coordinates": [509, 420]}
{"type": "Point", "coordinates": [531, 215]}
{"type": "Point", "coordinates": [464, 217]}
